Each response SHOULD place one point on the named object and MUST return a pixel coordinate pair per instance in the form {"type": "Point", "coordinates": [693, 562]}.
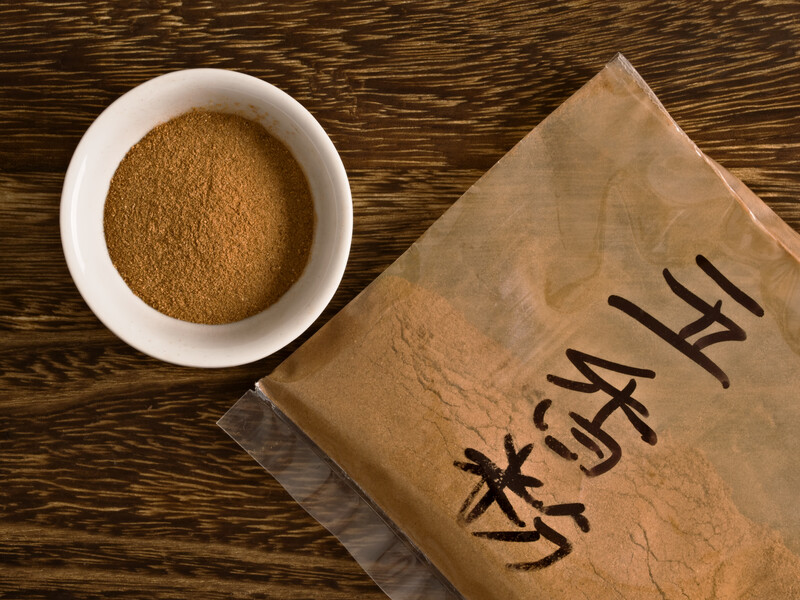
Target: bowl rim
{"type": "Point", "coordinates": [207, 355]}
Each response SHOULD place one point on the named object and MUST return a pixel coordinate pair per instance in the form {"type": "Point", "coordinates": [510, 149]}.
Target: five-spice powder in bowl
{"type": "Point", "coordinates": [206, 218]}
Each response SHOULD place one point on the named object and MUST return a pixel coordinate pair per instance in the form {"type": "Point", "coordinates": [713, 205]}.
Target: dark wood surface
{"type": "Point", "coordinates": [115, 481]}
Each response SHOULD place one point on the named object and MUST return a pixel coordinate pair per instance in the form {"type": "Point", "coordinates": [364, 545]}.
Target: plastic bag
{"type": "Point", "coordinates": [582, 380]}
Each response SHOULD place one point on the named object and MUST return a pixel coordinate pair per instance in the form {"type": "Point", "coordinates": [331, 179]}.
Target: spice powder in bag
{"type": "Point", "coordinates": [582, 380]}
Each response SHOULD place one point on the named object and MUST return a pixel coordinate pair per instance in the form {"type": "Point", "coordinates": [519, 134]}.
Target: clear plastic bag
{"type": "Point", "coordinates": [581, 381]}
{"type": "Point", "coordinates": [328, 495]}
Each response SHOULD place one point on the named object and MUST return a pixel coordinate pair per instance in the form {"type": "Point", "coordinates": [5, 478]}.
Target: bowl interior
{"type": "Point", "coordinates": [86, 185]}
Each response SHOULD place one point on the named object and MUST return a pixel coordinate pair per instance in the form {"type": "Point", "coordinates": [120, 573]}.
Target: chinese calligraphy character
{"type": "Point", "coordinates": [511, 479]}
{"type": "Point", "coordinates": [497, 480]}
{"type": "Point", "coordinates": [710, 314]}
{"type": "Point", "coordinates": [621, 398]}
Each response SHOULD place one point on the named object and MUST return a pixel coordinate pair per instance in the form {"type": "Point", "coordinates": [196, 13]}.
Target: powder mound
{"type": "Point", "coordinates": [209, 218]}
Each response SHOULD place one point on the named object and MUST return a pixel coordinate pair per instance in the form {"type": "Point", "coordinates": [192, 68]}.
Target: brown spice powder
{"type": "Point", "coordinates": [402, 367]}
{"type": "Point", "coordinates": [209, 218]}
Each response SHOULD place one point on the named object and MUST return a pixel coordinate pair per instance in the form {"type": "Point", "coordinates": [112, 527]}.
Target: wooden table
{"type": "Point", "coordinates": [114, 479]}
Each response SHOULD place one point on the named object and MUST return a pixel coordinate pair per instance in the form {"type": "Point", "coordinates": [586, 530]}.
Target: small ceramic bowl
{"type": "Point", "coordinates": [86, 184]}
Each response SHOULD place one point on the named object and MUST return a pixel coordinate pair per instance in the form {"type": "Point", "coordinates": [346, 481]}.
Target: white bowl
{"type": "Point", "coordinates": [86, 184]}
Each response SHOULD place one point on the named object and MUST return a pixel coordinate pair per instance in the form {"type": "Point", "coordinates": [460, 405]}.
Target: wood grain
{"type": "Point", "coordinates": [115, 480]}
